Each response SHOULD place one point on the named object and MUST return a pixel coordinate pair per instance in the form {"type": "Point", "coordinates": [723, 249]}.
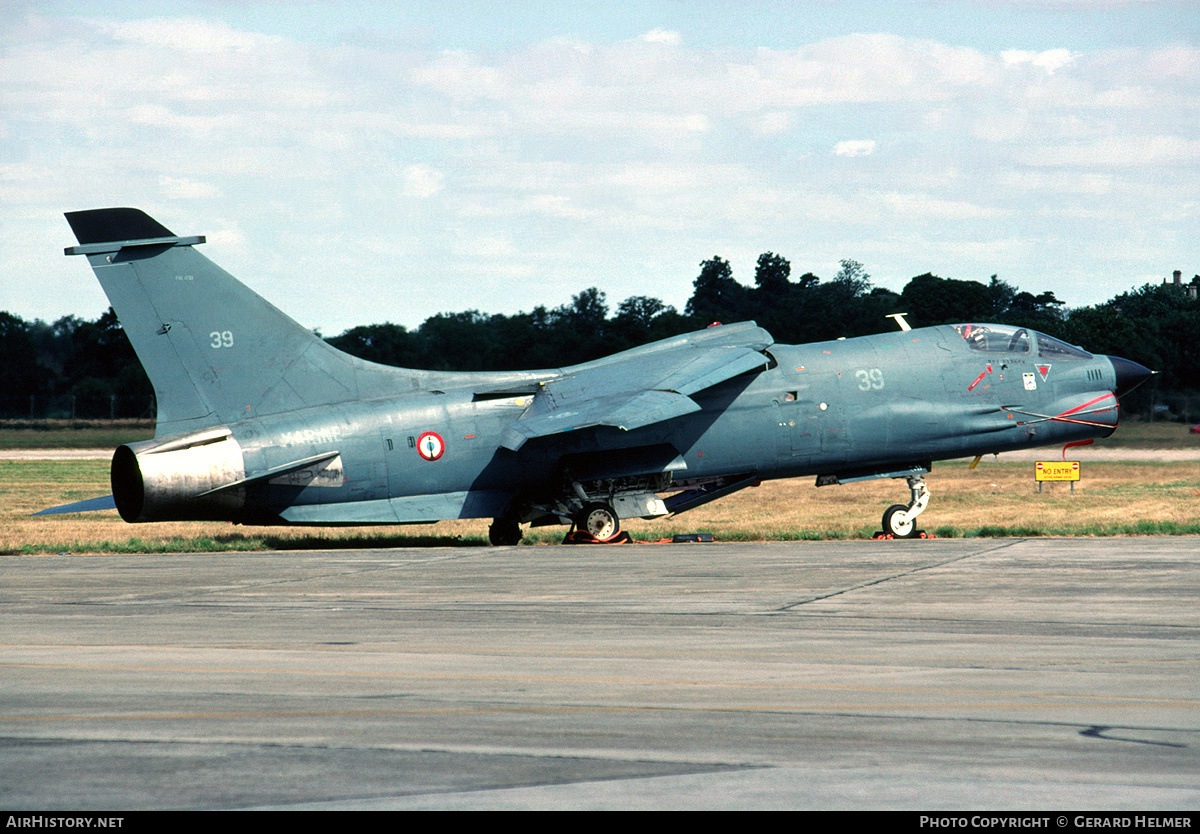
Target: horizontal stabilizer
{"type": "Point", "coordinates": [104, 502]}
{"type": "Point", "coordinates": [103, 231]}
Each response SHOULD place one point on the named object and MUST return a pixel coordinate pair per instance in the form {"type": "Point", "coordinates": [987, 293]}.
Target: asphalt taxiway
{"type": "Point", "coordinates": [936, 674]}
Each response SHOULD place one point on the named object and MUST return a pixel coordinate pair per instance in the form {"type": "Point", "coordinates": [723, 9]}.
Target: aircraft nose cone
{"type": "Point", "coordinates": [1129, 374]}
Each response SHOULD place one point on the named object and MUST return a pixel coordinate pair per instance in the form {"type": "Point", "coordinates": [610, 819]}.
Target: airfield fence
{"type": "Point", "coordinates": [1171, 407]}
{"type": "Point", "coordinates": [78, 407]}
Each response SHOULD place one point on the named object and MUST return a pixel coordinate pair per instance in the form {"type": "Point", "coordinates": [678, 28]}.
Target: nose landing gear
{"type": "Point", "coordinates": [899, 521]}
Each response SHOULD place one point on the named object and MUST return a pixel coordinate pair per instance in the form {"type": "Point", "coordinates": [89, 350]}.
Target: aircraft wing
{"type": "Point", "coordinates": [640, 387]}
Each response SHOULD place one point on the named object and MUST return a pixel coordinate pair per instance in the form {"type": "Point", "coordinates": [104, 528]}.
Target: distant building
{"type": "Point", "coordinates": [1192, 289]}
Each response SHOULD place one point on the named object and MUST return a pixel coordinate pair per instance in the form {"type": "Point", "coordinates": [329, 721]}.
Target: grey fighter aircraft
{"type": "Point", "coordinates": [262, 422]}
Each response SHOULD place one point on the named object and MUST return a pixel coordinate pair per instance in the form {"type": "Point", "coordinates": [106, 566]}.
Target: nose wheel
{"type": "Point", "coordinates": [899, 521]}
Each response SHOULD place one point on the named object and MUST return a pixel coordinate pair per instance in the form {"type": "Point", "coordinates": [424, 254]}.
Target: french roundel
{"type": "Point", "coordinates": [430, 445]}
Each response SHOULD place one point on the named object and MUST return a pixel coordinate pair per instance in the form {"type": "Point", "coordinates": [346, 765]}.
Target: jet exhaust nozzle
{"type": "Point", "coordinates": [179, 478]}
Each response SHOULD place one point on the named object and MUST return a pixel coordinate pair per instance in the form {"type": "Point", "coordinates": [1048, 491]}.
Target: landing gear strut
{"type": "Point", "coordinates": [504, 530]}
{"type": "Point", "coordinates": [899, 521]}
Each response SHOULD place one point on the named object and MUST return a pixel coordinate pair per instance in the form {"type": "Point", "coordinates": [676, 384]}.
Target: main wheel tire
{"type": "Point", "coordinates": [897, 524]}
{"type": "Point", "coordinates": [504, 531]}
{"type": "Point", "coordinates": [600, 520]}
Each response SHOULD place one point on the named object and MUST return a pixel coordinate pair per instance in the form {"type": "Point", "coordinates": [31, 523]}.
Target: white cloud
{"type": "Point", "coordinates": [186, 34]}
{"type": "Point", "coordinates": [572, 158]}
{"type": "Point", "coordinates": [422, 181]}
{"type": "Point", "coordinates": [865, 68]}
{"type": "Point", "coordinates": [855, 147]}
{"type": "Point", "coordinates": [661, 36]}
{"type": "Point", "coordinates": [1120, 152]}
{"type": "Point", "coordinates": [1042, 181]}
{"type": "Point", "coordinates": [920, 207]}
{"type": "Point", "coordinates": [456, 72]}
{"type": "Point", "coordinates": [774, 122]}
{"type": "Point", "coordinates": [186, 189]}
{"type": "Point", "coordinates": [1051, 60]}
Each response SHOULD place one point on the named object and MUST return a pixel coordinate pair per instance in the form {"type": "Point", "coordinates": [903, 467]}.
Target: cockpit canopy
{"type": "Point", "coordinates": [1005, 338]}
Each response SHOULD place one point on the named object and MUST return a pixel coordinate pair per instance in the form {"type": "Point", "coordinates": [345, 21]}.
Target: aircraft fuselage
{"type": "Point", "coordinates": [872, 404]}
{"type": "Point", "coordinates": [262, 422]}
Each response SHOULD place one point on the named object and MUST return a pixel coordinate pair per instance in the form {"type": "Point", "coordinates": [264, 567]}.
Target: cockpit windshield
{"type": "Point", "coordinates": [1051, 348]}
{"type": "Point", "coordinates": [995, 338]}
{"type": "Point", "coordinates": [1004, 338]}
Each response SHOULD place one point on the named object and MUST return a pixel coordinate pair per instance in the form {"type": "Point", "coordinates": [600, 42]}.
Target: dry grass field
{"type": "Point", "coordinates": [998, 498]}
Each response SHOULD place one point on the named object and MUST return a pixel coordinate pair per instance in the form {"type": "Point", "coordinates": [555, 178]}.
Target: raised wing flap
{"type": "Point", "coordinates": [712, 366]}
{"type": "Point", "coordinates": [640, 387]}
{"type": "Point", "coordinates": [626, 413]}
{"type": "Point", "coordinates": [650, 407]}
{"type": "Point", "coordinates": [745, 334]}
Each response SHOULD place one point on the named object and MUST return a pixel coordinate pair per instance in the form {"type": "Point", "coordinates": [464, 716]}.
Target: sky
{"type": "Point", "coordinates": [357, 163]}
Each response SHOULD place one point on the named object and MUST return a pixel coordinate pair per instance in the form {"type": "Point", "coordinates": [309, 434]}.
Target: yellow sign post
{"type": "Point", "coordinates": [1054, 470]}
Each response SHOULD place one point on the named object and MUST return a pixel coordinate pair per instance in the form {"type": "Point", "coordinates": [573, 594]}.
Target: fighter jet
{"type": "Point", "coordinates": [262, 422]}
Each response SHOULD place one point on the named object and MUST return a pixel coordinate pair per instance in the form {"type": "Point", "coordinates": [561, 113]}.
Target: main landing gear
{"type": "Point", "coordinates": [599, 520]}
{"type": "Point", "coordinates": [505, 530]}
{"type": "Point", "coordinates": [899, 521]}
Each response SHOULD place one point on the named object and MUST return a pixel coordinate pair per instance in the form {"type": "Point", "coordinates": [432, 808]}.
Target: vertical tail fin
{"type": "Point", "coordinates": [214, 350]}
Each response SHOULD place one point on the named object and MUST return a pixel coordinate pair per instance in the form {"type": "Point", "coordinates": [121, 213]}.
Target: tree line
{"type": "Point", "coordinates": [87, 369]}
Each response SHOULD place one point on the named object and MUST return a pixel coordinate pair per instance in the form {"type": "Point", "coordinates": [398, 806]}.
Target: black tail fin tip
{"type": "Point", "coordinates": [115, 224]}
